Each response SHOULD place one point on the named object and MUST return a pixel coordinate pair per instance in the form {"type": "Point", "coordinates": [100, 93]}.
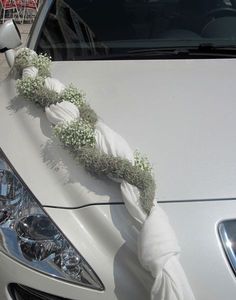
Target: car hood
{"type": "Point", "coordinates": [180, 113]}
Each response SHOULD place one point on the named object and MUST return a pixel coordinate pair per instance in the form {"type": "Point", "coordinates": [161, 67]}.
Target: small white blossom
{"type": "Point", "coordinates": [24, 58]}
{"type": "Point", "coordinates": [63, 112]}
{"type": "Point", "coordinates": [26, 51]}
{"type": "Point", "coordinates": [141, 161]}
{"type": "Point", "coordinates": [75, 134]}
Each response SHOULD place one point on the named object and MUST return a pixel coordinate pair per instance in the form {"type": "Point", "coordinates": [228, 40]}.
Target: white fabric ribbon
{"type": "Point", "coordinates": [158, 248]}
{"type": "Point", "coordinates": [110, 142]}
{"type": "Point", "coordinates": [63, 112]}
{"type": "Point", "coordinates": [30, 72]}
{"type": "Point", "coordinates": [130, 196]}
{"type": "Point", "coordinates": [158, 252]}
{"type": "Point", "coordinates": [54, 85]}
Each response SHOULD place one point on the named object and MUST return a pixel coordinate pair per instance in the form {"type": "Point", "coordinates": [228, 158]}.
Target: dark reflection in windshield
{"type": "Point", "coordinates": [85, 29]}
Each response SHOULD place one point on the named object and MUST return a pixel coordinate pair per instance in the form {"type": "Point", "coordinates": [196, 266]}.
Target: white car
{"type": "Point", "coordinates": [162, 73]}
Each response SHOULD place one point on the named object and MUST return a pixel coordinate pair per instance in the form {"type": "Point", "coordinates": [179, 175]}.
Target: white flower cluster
{"type": "Point", "coordinates": [142, 162]}
{"type": "Point", "coordinates": [75, 134]}
{"type": "Point", "coordinates": [25, 58]}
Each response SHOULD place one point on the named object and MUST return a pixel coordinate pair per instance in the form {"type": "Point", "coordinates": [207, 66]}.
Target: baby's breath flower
{"type": "Point", "coordinates": [75, 134]}
{"type": "Point", "coordinates": [27, 58]}
{"type": "Point", "coordinates": [142, 162]}
{"type": "Point", "coordinates": [29, 87]}
{"type": "Point", "coordinates": [88, 114]}
{"type": "Point", "coordinates": [42, 62]}
{"type": "Point", "coordinates": [73, 95]}
{"type": "Point", "coordinates": [24, 58]}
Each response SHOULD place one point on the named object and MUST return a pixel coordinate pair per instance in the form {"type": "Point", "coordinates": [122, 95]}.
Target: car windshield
{"type": "Point", "coordinates": [100, 29]}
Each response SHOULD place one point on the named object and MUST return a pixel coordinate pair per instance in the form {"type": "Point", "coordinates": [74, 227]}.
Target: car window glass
{"type": "Point", "coordinates": [86, 29]}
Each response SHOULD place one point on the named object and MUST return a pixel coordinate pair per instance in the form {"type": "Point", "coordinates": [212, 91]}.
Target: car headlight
{"type": "Point", "coordinates": [28, 235]}
{"type": "Point", "coordinates": [227, 232]}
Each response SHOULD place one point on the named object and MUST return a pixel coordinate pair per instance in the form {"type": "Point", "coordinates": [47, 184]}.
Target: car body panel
{"type": "Point", "coordinates": [180, 113]}
{"type": "Point", "coordinates": [172, 111]}
{"type": "Point", "coordinates": [106, 235]}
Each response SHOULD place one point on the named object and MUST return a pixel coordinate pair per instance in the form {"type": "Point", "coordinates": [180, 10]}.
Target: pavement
{"type": "Point", "coordinates": [4, 68]}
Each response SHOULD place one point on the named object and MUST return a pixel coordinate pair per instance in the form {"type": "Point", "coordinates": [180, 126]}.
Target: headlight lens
{"type": "Point", "coordinates": [227, 232]}
{"type": "Point", "coordinates": [28, 235]}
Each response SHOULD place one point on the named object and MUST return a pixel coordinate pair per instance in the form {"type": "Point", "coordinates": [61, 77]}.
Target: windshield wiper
{"type": "Point", "coordinates": [207, 50]}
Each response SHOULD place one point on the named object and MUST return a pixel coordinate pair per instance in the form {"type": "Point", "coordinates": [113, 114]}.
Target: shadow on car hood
{"type": "Point", "coordinates": [180, 113]}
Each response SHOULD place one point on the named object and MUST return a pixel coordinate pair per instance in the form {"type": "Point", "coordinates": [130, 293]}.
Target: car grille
{"type": "Point", "coordinates": [20, 292]}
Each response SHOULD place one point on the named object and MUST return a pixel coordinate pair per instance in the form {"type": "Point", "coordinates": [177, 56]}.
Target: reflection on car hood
{"type": "Point", "coordinates": [180, 113]}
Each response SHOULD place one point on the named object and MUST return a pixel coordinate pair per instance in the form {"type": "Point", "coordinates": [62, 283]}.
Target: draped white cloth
{"type": "Point", "coordinates": [110, 142]}
{"type": "Point", "coordinates": [54, 85]}
{"type": "Point", "coordinates": [30, 72]}
{"type": "Point", "coordinates": [158, 247]}
{"type": "Point", "coordinates": [63, 112]}
{"type": "Point", "coordinates": [158, 252]}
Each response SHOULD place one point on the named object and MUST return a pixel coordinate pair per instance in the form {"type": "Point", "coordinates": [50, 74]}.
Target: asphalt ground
{"type": "Point", "coordinates": [4, 68]}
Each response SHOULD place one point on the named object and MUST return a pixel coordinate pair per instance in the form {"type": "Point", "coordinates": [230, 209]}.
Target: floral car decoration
{"type": "Point", "coordinates": [102, 151]}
